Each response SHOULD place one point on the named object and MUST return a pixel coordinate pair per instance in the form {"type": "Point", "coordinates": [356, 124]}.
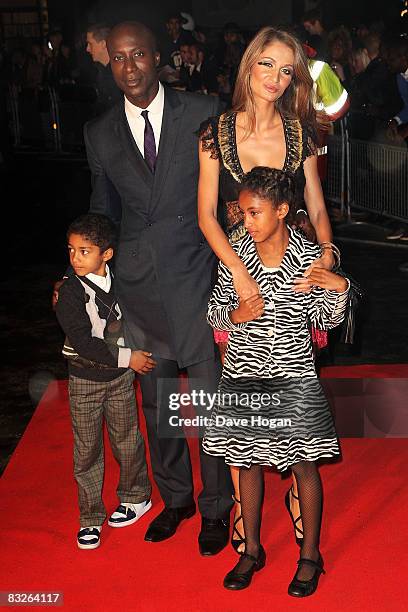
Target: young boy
{"type": "Point", "coordinates": [101, 381]}
{"type": "Point", "coordinates": [269, 356]}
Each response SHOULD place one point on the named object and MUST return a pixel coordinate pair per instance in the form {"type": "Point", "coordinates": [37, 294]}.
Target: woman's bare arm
{"type": "Point", "coordinates": [319, 218]}
{"type": "Point", "coordinates": [316, 209]}
{"type": "Point", "coordinates": [215, 236]}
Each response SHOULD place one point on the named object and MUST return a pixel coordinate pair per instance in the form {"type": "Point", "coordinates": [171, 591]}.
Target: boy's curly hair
{"type": "Point", "coordinates": [96, 228]}
{"type": "Point", "coordinates": [270, 184]}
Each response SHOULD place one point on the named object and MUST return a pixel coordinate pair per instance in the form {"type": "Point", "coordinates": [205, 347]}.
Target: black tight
{"type": "Point", "coordinates": [251, 486]}
{"type": "Point", "coordinates": [310, 500]}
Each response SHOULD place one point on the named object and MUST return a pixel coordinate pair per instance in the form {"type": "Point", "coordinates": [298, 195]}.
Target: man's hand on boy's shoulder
{"type": "Point", "coordinates": [142, 362]}
{"type": "Point", "coordinates": [55, 293]}
{"type": "Point", "coordinates": [248, 310]}
{"type": "Point", "coordinates": [319, 277]}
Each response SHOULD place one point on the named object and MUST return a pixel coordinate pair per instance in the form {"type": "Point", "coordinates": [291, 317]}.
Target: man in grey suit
{"type": "Point", "coordinates": [145, 173]}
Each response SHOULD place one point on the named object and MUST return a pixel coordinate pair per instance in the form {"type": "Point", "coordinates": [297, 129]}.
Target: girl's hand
{"type": "Point", "coordinates": [244, 284]}
{"type": "Point", "coordinates": [248, 310]}
{"type": "Point", "coordinates": [319, 277]}
{"type": "Point", "coordinates": [302, 285]}
{"type": "Point", "coordinates": [325, 262]}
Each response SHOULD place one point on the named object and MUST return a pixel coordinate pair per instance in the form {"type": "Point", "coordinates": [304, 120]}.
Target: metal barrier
{"type": "Point", "coordinates": [335, 180]}
{"type": "Point", "coordinates": [367, 175]}
{"type": "Point", "coordinates": [48, 119]}
{"type": "Point", "coordinates": [12, 108]}
{"type": "Point", "coordinates": [379, 178]}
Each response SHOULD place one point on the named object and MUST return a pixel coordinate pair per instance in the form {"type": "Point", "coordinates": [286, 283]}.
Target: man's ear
{"type": "Point", "coordinates": [103, 41]}
{"type": "Point", "coordinates": [108, 254]}
{"type": "Point", "coordinates": [157, 58]}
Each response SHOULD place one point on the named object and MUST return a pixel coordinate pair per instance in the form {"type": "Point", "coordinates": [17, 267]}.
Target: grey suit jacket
{"type": "Point", "coordinates": [163, 265]}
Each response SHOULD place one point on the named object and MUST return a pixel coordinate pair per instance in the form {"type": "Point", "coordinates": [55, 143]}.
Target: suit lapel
{"type": "Point", "coordinates": [131, 149]}
{"type": "Point", "coordinates": [172, 112]}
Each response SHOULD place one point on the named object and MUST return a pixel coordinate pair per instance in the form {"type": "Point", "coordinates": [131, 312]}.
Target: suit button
{"type": "Point", "coordinates": [180, 218]}
{"type": "Point", "coordinates": [270, 332]}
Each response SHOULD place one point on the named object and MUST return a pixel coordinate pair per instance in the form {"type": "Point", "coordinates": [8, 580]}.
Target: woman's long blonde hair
{"type": "Point", "coordinates": [297, 101]}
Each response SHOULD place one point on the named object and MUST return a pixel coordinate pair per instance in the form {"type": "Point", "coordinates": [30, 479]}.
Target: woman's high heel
{"type": "Point", "coordinates": [236, 581]}
{"type": "Point", "coordinates": [236, 542]}
{"type": "Point", "coordinates": [304, 588]}
{"type": "Point", "coordinates": [298, 530]}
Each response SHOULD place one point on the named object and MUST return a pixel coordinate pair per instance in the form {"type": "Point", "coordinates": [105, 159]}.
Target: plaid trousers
{"type": "Point", "coordinates": [90, 402]}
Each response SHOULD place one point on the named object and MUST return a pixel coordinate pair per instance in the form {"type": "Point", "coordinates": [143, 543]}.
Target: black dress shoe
{"type": "Point", "coordinates": [213, 536]}
{"type": "Point", "coordinates": [166, 523]}
{"type": "Point", "coordinates": [237, 581]}
{"type": "Point", "coordinates": [304, 588]}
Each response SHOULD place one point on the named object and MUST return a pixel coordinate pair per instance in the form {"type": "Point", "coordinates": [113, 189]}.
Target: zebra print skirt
{"type": "Point", "coordinates": [271, 422]}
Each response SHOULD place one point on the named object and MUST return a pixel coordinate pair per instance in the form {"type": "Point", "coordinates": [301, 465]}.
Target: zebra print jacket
{"type": "Point", "coordinates": [278, 344]}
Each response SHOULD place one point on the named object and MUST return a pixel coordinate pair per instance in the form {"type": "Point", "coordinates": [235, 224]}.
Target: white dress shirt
{"type": "Point", "coordinates": [104, 282]}
{"type": "Point", "coordinates": [137, 123]}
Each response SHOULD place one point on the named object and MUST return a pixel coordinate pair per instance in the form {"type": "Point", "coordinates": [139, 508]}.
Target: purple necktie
{"type": "Point", "coordinates": [149, 142]}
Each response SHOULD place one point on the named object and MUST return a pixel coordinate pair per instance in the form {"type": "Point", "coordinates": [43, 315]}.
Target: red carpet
{"type": "Point", "coordinates": [363, 543]}
{"type": "Point", "coordinates": [386, 370]}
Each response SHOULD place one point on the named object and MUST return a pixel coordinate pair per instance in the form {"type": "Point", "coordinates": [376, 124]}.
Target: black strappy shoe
{"type": "Point", "coordinates": [236, 542]}
{"type": "Point", "coordinates": [298, 530]}
{"type": "Point", "coordinates": [236, 581]}
{"type": "Point", "coordinates": [304, 588]}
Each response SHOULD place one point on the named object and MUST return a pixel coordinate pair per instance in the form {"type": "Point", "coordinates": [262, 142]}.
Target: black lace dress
{"type": "Point", "coordinates": [218, 137]}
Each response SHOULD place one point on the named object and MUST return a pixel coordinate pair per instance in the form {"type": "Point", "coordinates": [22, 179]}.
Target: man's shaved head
{"type": "Point", "coordinates": [134, 60]}
{"type": "Point", "coordinates": [132, 28]}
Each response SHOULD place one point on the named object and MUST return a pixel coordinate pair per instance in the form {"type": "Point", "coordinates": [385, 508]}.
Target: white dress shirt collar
{"type": "Point", "coordinates": [137, 122]}
{"type": "Point", "coordinates": [104, 282]}
{"type": "Point", "coordinates": [155, 107]}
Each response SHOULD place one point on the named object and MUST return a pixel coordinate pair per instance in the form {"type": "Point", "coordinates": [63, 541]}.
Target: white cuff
{"type": "Point", "coordinates": [124, 357]}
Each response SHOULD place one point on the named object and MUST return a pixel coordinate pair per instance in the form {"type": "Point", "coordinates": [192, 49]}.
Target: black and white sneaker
{"type": "Point", "coordinates": [395, 234]}
{"type": "Point", "coordinates": [89, 537]}
{"type": "Point", "coordinates": [127, 514]}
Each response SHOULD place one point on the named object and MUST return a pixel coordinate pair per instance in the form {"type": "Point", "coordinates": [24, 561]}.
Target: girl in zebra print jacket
{"type": "Point", "coordinates": [270, 350]}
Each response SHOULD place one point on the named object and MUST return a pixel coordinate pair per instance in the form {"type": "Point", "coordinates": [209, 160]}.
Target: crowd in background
{"type": "Point", "coordinates": [370, 63]}
{"type": "Point", "coordinates": [58, 84]}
